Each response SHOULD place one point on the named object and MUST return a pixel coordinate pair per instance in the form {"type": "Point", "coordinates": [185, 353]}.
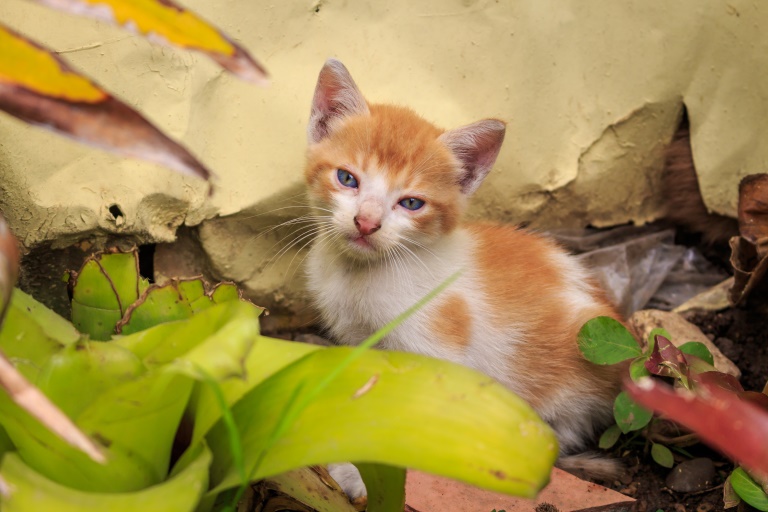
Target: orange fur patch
{"type": "Point", "coordinates": [452, 322]}
{"type": "Point", "coordinates": [522, 282]}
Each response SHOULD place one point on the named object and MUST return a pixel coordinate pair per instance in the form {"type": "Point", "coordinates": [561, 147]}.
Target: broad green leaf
{"type": "Point", "coordinates": [170, 23]}
{"type": "Point", "coordinates": [77, 374]}
{"type": "Point", "coordinates": [134, 422]}
{"type": "Point", "coordinates": [609, 437]}
{"type": "Point", "coordinates": [51, 324]}
{"type": "Point", "coordinates": [31, 334]}
{"type": "Point", "coordinates": [39, 87]}
{"type": "Point", "coordinates": [604, 340]}
{"type": "Point", "coordinates": [6, 445]}
{"type": "Point", "coordinates": [267, 357]}
{"type": "Point", "coordinates": [637, 369]}
{"type": "Point", "coordinates": [31, 491]}
{"type": "Point", "coordinates": [460, 416]}
{"type": "Point", "coordinates": [662, 455]}
{"type": "Point", "coordinates": [629, 415]}
{"type": "Point", "coordinates": [748, 490]}
{"type": "Point", "coordinates": [294, 407]}
{"type": "Point", "coordinates": [698, 349]}
{"type": "Point", "coordinates": [385, 486]}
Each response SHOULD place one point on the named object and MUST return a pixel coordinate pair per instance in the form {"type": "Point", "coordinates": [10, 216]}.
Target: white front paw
{"type": "Point", "coordinates": [348, 478]}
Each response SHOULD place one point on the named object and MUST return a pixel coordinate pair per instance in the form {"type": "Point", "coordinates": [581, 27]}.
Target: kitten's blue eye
{"type": "Point", "coordinates": [346, 178]}
{"type": "Point", "coordinates": [411, 203]}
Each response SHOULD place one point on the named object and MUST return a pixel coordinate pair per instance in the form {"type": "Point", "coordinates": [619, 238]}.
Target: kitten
{"type": "Point", "coordinates": [392, 188]}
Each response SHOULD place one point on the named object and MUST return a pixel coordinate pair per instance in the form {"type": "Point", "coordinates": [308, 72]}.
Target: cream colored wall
{"type": "Point", "coordinates": [591, 91]}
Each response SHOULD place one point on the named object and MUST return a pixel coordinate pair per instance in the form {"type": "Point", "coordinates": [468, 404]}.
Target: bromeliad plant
{"type": "Point", "coordinates": [711, 404]}
{"type": "Point", "coordinates": [183, 355]}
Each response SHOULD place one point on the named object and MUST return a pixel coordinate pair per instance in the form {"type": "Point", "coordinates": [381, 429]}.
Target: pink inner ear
{"type": "Point", "coordinates": [336, 96]}
{"type": "Point", "coordinates": [476, 147]}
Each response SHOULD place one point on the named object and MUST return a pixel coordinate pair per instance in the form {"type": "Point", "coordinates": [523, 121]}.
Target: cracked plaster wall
{"type": "Point", "coordinates": [591, 91]}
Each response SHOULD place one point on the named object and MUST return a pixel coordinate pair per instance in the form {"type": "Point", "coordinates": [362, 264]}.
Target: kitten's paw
{"type": "Point", "coordinates": [348, 478]}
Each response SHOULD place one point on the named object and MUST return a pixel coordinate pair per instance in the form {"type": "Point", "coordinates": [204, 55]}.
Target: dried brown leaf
{"type": "Point", "coordinates": [38, 87]}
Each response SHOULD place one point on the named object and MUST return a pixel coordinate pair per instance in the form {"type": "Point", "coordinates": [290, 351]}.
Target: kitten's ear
{"type": "Point", "coordinates": [336, 97]}
{"type": "Point", "coordinates": [476, 147]}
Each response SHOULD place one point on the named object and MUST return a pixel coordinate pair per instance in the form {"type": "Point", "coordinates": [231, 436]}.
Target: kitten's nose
{"type": "Point", "coordinates": [367, 226]}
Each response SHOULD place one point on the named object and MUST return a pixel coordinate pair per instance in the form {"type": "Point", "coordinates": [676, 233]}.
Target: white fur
{"type": "Point", "coordinates": [349, 479]}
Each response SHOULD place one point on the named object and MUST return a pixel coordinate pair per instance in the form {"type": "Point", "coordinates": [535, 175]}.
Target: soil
{"type": "Point", "coordinates": [741, 335]}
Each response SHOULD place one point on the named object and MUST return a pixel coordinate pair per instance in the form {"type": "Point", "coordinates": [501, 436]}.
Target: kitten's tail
{"type": "Point", "coordinates": [591, 465]}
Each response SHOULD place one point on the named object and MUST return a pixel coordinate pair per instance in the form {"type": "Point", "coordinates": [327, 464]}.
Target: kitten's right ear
{"type": "Point", "coordinates": [476, 147]}
{"type": "Point", "coordinates": [336, 97]}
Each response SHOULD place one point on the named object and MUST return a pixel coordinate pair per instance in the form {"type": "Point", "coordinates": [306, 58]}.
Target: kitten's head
{"type": "Point", "coordinates": [384, 176]}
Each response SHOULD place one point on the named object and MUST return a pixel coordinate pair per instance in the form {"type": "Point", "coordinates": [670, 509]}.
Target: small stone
{"type": "Point", "coordinates": [692, 475]}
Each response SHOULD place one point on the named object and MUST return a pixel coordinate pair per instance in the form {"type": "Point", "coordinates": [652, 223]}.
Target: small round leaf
{"type": "Point", "coordinates": [748, 490]}
{"type": "Point", "coordinates": [609, 437]}
{"type": "Point", "coordinates": [604, 340]}
{"type": "Point", "coordinates": [662, 455]}
{"type": "Point", "coordinates": [629, 415]}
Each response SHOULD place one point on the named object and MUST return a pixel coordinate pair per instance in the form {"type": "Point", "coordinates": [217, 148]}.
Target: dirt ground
{"type": "Point", "coordinates": [742, 336]}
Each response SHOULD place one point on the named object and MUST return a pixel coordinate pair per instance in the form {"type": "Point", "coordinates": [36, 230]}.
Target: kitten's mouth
{"type": "Point", "coordinates": [362, 242]}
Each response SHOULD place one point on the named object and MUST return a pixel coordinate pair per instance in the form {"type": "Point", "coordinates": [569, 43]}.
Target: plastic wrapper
{"type": "Point", "coordinates": [630, 263]}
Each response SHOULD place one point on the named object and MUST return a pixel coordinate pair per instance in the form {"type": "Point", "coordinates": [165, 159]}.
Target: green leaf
{"type": "Point", "coordinates": [748, 490]}
{"type": "Point", "coordinates": [609, 437]}
{"type": "Point", "coordinates": [135, 422]}
{"type": "Point", "coordinates": [511, 450]}
{"type": "Point", "coordinates": [103, 289]}
{"type": "Point", "coordinates": [604, 340]}
{"type": "Point", "coordinates": [267, 357]}
{"type": "Point", "coordinates": [28, 337]}
{"type": "Point", "coordinates": [137, 419]}
{"type": "Point", "coordinates": [629, 415]}
{"type": "Point", "coordinates": [73, 377]}
{"type": "Point", "coordinates": [698, 349]}
{"type": "Point", "coordinates": [313, 487]}
{"type": "Point", "coordinates": [637, 369]}
{"type": "Point", "coordinates": [175, 300]}
{"type": "Point", "coordinates": [662, 455]}
{"type": "Point", "coordinates": [32, 491]}
{"type": "Point", "coordinates": [385, 486]}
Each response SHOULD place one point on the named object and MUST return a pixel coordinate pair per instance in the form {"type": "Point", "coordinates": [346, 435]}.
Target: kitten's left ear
{"type": "Point", "coordinates": [476, 147]}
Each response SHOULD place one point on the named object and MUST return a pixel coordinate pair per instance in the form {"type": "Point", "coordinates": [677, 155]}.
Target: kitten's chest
{"type": "Point", "coordinates": [355, 301]}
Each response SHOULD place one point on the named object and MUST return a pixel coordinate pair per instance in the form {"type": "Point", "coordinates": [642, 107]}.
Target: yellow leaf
{"type": "Point", "coordinates": [24, 64]}
{"type": "Point", "coordinates": [166, 22]}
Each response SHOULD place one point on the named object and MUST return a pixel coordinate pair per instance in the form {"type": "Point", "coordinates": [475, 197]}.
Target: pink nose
{"type": "Point", "coordinates": [366, 226]}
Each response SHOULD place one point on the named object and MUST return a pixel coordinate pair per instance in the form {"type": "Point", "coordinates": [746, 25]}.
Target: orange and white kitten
{"type": "Point", "coordinates": [391, 189]}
